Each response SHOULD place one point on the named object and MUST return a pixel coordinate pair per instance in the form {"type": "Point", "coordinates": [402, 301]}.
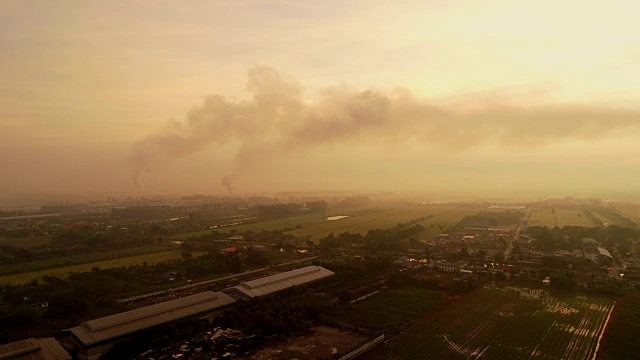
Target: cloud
{"type": "Point", "coordinates": [279, 119]}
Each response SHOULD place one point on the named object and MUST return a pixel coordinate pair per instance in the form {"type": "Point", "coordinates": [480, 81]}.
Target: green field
{"type": "Point", "coordinates": [505, 323]}
{"type": "Point", "coordinates": [390, 311]}
{"type": "Point", "coordinates": [562, 217]}
{"type": "Point", "coordinates": [360, 220]}
{"type": "Point", "coordinates": [442, 215]}
{"type": "Point", "coordinates": [105, 264]}
{"type": "Point", "coordinates": [77, 259]}
{"type": "Point", "coordinates": [630, 210]}
{"type": "Point", "coordinates": [605, 219]}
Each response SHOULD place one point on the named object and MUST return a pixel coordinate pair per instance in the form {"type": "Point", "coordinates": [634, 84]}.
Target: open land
{"type": "Point", "coordinates": [622, 335]}
{"type": "Point", "coordinates": [630, 210]}
{"type": "Point", "coordinates": [562, 217]}
{"type": "Point", "coordinates": [320, 342]}
{"type": "Point", "coordinates": [390, 311]}
{"type": "Point", "coordinates": [77, 259]}
{"type": "Point", "coordinates": [505, 323]}
{"type": "Point", "coordinates": [105, 264]}
{"type": "Point", "coordinates": [360, 220]}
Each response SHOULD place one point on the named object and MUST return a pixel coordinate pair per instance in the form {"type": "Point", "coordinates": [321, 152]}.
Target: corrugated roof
{"type": "Point", "coordinates": [114, 326]}
{"type": "Point", "coordinates": [34, 349]}
{"type": "Point", "coordinates": [604, 252]}
{"type": "Point", "coordinates": [281, 281]}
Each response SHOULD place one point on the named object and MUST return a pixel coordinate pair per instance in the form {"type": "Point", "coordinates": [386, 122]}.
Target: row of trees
{"type": "Point", "coordinates": [394, 239]}
{"type": "Point", "coordinates": [570, 237]}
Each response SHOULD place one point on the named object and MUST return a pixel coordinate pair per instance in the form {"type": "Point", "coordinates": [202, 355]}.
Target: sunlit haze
{"type": "Point", "coordinates": [177, 97]}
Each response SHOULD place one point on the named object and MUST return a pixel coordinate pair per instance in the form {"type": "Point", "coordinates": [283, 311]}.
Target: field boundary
{"type": "Point", "coordinates": [363, 349]}
{"type": "Point", "coordinates": [604, 328]}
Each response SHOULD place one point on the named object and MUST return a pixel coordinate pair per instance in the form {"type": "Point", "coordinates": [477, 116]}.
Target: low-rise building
{"type": "Point", "coordinates": [271, 284]}
{"type": "Point", "coordinates": [95, 337]}
{"type": "Point", "coordinates": [452, 267]}
{"type": "Point", "coordinates": [34, 349]}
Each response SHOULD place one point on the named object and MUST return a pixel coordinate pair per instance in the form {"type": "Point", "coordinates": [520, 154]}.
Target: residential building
{"type": "Point", "coordinates": [452, 267]}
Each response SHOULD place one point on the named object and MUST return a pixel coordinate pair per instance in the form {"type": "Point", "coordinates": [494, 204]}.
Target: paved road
{"type": "Point", "coordinates": [516, 236]}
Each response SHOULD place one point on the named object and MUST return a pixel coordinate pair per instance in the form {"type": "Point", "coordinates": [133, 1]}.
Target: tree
{"type": "Point", "coordinates": [256, 258]}
{"type": "Point", "coordinates": [464, 253]}
{"type": "Point", "coordinates": [562, 282]}
{"type": "Point", "coordinates": [234, 264]}
{"type": "Point", "coordinates": [63, 305]}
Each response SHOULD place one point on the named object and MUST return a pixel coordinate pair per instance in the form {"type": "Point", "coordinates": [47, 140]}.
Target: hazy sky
{"type": "Point", "coordinates": [318, 95]}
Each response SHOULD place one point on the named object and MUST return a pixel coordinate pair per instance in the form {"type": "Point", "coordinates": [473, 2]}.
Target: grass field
{"type": "Point", "coordinates": [629, 210]}
{"type": "Point", "coordinates": [390, 311]}
{"type": "Point", "coordinates": [361, 223]}
{"type": "Point", "coordinates": [105, 264]}
{"type": "Point", "coordinates": [77, 259]}
{"type": "Point", "coordinates": [360, 220]}
{"type": "Point", "coordinates": [562, 217]}
{"type": "Point", "coordinates": [605, 219]}
{"type": "Point", "coordinates": [505, 323]}
{"type": "Point", "coordinates": [27, 242]}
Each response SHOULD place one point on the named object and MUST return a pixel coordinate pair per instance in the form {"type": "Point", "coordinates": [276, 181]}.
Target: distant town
{"type": "Point", "coordinates": [317, 277]}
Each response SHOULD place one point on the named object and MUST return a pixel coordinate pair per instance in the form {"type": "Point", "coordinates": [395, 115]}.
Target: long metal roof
{"type": "Point", "coordinates": [34, 349]}
{"type": "Point", "coordinates": [118, 325]}
{"type": "Point", "coordinates": [270, 284]}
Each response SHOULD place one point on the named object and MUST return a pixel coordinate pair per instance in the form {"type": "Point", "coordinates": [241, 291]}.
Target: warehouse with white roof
{"type": "Point", "coordinates": [34, 349]}
{"type": "Point", "coordinates": [271, 284]}
{"type": "Point", "coordinates": [95, 337]}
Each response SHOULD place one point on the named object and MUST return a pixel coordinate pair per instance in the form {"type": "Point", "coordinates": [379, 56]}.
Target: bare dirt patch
{"type": "Point", "coordinates": [321, 342]}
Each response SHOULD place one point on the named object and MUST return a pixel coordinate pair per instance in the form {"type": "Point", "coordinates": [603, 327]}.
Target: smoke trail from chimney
{"type": "Point", "coordinates": [279, 120]}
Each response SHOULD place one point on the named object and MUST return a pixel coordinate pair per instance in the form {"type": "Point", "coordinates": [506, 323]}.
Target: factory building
{"type": "Point", "coordinates": [270, 284]}
{"type": "Point", "coordinates": [34, 349]}
{"type": "Point", "coordinates": [95, 337]}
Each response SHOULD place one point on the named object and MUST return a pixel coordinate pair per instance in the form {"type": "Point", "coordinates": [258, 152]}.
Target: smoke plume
{"type": "Point", "coordinates": [279, 119]}
{"type": "Point", "coordinates": [228, 181]}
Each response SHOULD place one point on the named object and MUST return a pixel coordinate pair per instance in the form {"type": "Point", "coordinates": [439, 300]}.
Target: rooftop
{"type": "Point", "coordinates": [605, 252]}
{"type": "Point", "coordinates": [270, 284]}
{"type": "Point", "coordinates": [118, 325]}
{"type": "Point", "coordinates": [34, 349]}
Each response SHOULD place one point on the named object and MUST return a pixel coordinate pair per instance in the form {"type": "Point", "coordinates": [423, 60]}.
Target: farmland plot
{"type": "Point", "coordinates": [505, 323]}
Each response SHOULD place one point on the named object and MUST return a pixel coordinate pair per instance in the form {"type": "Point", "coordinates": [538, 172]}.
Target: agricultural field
{"type": "Point", "coordinates": [622, 337]}
{"type": "Point", "coordinates": [27, 242]}
{"type": "Point", "coordinates": [542, 217]}
{"type": "Point", "coordinates": [606, 220]}
{"type": "Point", "coordinates": [562, 217]}
{"type": "Point", "coordinates": [442, 215]}
{"type": "Point", "coordinates": [287, 222]}
{"type": "Point", "coordinates": [361, 220]}
{"type": "Point", "coordinates": [630, 210]}
{"type": "Point", "coordinates": [390, 311]}
{"type": "Point", "coordinates": [105, 264]}
{"type": "Point", "coordinates": [506, 323]}
{"type": "Point", "coordinates": [68, 260]}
